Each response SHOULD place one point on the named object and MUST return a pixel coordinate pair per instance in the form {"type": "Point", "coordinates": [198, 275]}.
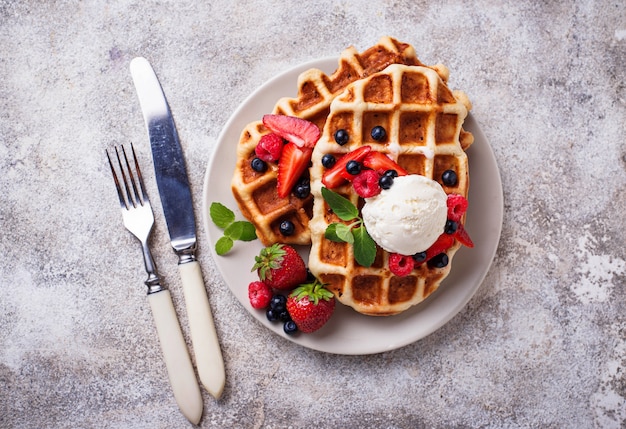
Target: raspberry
{"type": "Point", "coordinates": [269, 147]}
{"type": "Point", "coordinates": [366, 184]}
{"type": "Point", "coordinates": [400, 265]}
{"type": "Point", "coordinates": [259, 294]}
{"type": "Point", "coordinates": [457, 205]}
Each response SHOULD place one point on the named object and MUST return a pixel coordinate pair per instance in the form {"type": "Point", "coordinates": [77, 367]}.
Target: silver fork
{"type": "Point", "coordinates": [139, 220]}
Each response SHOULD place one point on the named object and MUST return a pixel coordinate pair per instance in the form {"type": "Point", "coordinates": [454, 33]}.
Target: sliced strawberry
{"type": "Point", "coordinates": [293, 162]}
{"type": "Point", "coordinates": [380, 163]}
{"type": "Point", "coordinates": [463, 237]}
{"type": "Point", "coordinates": [457, 206]}
{"type": "Point", "coordinates": [334, 176]}
{"type": "Point", "coordinates": [302, 133]}
{"type": "Point", "coordinates": [443, 243]}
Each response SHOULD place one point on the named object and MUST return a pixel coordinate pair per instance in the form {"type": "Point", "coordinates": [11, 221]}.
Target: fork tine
{"type": "Point", "coordinates": [118, 187]}
{"type": "Point", "coordinates": [137, 200]}
{"type": "Point", "coordinates": [142, 187]}
{"type": "Point", "coordinates": [129, 195]}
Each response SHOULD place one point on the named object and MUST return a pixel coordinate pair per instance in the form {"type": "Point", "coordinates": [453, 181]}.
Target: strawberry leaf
{"type": "Point", "coordinates": [364, 247]}
{"type": "Point", "coordinates": [340, 205]}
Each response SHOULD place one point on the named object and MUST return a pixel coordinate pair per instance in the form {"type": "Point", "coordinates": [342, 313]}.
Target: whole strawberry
{"type": "Point", "coordinates": [280, 267]}
{"type": "Point", "coordinates": [310, 306]}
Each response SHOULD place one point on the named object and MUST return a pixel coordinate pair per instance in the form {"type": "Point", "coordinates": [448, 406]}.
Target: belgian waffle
{"type": "Point", "coordinates": [423, 119]}
{"type": "Point", "coordinates": [256, 192]}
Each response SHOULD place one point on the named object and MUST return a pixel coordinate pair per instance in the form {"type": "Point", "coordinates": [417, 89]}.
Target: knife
{"type": "Point", "coordinates": [173, 185]}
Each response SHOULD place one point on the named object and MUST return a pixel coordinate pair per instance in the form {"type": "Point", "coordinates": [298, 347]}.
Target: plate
{"type": "Point", "coordinates": [349, 332]}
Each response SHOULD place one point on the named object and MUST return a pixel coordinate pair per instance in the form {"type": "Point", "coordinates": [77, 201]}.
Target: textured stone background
{"type": "Point", "coordinates": [542, 343]}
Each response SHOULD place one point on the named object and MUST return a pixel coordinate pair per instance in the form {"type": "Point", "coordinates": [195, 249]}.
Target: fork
{"type": "Point", "coordinates": [139, 220]}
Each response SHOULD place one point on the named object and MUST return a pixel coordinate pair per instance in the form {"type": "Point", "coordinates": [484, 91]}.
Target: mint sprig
{"type": "Point", "coordinates": [224, 218]}
{"type": "Point", "coordinates": [354, 233]}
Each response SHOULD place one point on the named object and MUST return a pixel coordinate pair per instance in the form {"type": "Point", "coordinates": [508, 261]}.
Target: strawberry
{"type": "Point", "coordinates": [259, 294]}
{"type": "Point", "coordinates": [400, 265]}
{"type": "Point", "coordinates": [310, 306]}
{"type": "Point", "coordinates": [301, 132]}
{"type": "Point", "coordinates": [380, 163]}
{"type": "Point", "coordinates": [293, 162]}
{"type": "Point", "coordinates": [335, 176]}
{"type": "Point", "coordinates": [443, 243]}
{"type": "Point", "coordinates": [463, 237]}
{"type": "Point", "coordinates": [280, 267]}
{"type": "Point", "coordinates": [269, 147]}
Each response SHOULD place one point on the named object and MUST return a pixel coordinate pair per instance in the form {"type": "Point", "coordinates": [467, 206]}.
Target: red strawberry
{"type": "Point", "coordinates": [443, 243]}
{"type": "Point", "coordinates": [366, 184]}
{"type": "Point", "coordinates": [380, 163]}
{"type": "Point", "coordinates": [293, 162]}
{"type": "Point", "coordinates": [400, 265]}
{"type": "Point", "coordinates": [301, 132]}
{"type": "Point", "coordinates": [280, 267]}
{"type": "Point", "coordinates": [310, 306]}
{"type": "Point", "coordinates": [463, 237]}
{"type": "Point", "coordinates": [334, 176]}
{"type": "Point", "coordinates": [259, 294]}
{"type": "Point", "coordinates": [457, 205]}
{"type": "Point", "coordinates": [269, 147]}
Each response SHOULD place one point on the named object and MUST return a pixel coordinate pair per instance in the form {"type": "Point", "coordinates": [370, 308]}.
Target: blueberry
{"type": "Point", "coordinates": [290, 327]}
{"type": "Point", "coordinates": [451, 227]}
{"type": "Point", "coordinates": [258, 165]}
{"type": "Point", "coordinates": [353, 167]}
{"type": "Point", "coordinates": [439, 261]}
{"type": "Point", "coordinates": [278, 303]}
{"type": "Point", "coordinates": [328, 160]}
{"type": "Point", "coordinates": [284, 316]}
{"type": "Point", "coordinates": [449, 178]}
{"type": "Point", "coordinates": [272, 315]}
{"type": "Point", "coordinates": [302, 188]}
{"type": "Point", "coordinates": [286, 227]}
{"type": "Point", "coordinates": [391, 173]}
{"type": "Point", "coordinates": [419, 257]}
{"type": "Point", "coordinates": [341, 137]}
{"type": "Point", "coordinates": [378, 133]}
{"type": "Point", "coordinates": [385, 182]}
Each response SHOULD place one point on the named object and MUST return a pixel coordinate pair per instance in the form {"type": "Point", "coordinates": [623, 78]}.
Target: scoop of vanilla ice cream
{"type": "Point", "coordinates": [408, 217]}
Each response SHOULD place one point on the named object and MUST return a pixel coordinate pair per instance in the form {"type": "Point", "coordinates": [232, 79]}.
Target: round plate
{"type": "Point", "coordinates": [349, 332]}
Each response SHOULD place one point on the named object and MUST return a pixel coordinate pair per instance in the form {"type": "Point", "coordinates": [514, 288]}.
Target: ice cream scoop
{"type": "Point", "coordinates": [408, 217]}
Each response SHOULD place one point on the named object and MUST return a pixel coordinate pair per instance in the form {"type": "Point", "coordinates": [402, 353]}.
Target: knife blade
{"type": "Point", "coordinates": [173, 185]}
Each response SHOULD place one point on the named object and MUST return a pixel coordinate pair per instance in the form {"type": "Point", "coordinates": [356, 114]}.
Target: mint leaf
{"type": "Point", "coordinates": [221, 215]}
{"type": "Point", "coordinates": [248, 233]}
{"type": "Point", "coordinates": [344, 233]}
{"type": "Point", "coordinates": [223, 245]}
{"type": "Point", "coordinates": [234, 230]}
{"type": "Point", "coordinates": [364, 247]}
{"type": "Point", "coordinates": [331, 233]}
{"type": "Point", "coordinates": [340, 205]}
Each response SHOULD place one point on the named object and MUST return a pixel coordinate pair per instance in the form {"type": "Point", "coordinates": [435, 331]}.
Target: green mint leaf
{"type": "Point", "coordinates": [331, 233]}
{"type": "Point", "coordinates": [221, 215]}
{"type": "Point", "coordinates": [341, 206]}
{"type": "Point", "coordinates": [364, 247]}
{"type": "Point", "coordinates": [344, 233]}
{"type": "Point", "coordinates": [248, 233]}
{"type": "Point", "coordinates": [223, 245]}
{"type": "Point", "coordinates": [234, 230]}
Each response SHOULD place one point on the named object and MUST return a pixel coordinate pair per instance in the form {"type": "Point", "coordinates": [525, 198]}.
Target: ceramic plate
{"type": "Point", "coordinates": [349, 332]}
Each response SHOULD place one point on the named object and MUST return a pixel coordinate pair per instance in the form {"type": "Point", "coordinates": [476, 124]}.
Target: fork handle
{"type": "Point", "coordinates": [177, 360]}
{"type": "Point", "coordinates": [206, 346]}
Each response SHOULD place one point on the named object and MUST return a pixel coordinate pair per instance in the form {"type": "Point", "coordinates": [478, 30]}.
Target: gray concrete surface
{"type": "Point", "coordinates": [541, 344]}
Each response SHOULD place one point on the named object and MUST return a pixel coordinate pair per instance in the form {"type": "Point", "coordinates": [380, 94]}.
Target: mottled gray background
{"type": "Point", "coordinates": [542, 343]}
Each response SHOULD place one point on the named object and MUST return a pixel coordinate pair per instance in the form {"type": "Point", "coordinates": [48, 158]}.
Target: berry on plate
{"type": "Point", "coordinates": [310, 306]}
{"type": "Point", "coordinates": [269, 147]}
{"type": "Point", "coordinates": [280, 267]}
{"type": "Point", "coordinates": [300, 132]}
{"type": "Point", "coordinates": [293, 162]}
{"type": "Point", "coordinates": [259, 294]}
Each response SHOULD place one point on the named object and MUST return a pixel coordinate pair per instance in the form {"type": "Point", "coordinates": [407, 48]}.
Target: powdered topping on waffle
{"type": "Point", "coordinates": [255, 189]}
{"type": "Point", "coordinates": [409, 114]}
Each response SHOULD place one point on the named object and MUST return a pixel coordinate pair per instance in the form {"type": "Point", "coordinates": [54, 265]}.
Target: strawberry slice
{"type": "Point", "coordinates": [293, 162]}
{"type": "Point", "coordinates": [463, 237]}
{"type": "Point", "coordinates": [443, 243]}
{"type": "Point", "coordinates": [380, 163]}
{"type": "Point", "coordinates": [334, 176]}
{"type": "Point", "coordinates": [299, 131]}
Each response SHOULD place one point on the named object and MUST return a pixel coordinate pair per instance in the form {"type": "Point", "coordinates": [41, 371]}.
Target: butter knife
{"type": "Point", "coordinates": [173, 185]}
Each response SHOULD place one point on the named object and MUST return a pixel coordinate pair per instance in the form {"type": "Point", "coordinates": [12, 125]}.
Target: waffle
{"type": "Point", "coordinates": [423, 119]}
{"type": "Point", "coordinates": [256, 192]}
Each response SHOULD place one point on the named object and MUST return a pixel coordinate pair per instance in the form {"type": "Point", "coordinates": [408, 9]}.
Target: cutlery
{"type": "Point", "coordinates": [139, 219]}
{"type": "Point", "coordinates": [173, 185]}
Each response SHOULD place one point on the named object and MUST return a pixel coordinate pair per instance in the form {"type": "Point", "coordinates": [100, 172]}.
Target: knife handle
{"type": "Point", "coordinates": [206, 346]}
{"type": "Point", "coordinates": [177, 360]}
